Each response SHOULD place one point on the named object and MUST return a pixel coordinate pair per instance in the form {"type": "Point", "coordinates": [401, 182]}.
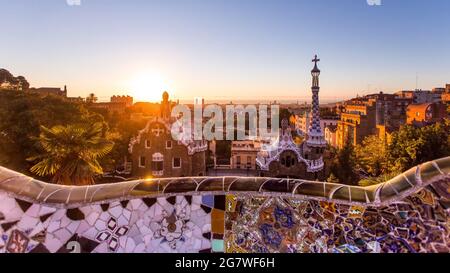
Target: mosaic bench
{"type": "Point", "coordinates": [409, 213]}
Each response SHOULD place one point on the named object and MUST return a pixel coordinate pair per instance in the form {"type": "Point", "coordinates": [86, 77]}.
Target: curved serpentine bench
{"type": "Point", "coordinates": [32, 190]}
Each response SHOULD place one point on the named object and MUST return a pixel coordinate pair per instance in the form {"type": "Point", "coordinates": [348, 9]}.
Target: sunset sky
{"type": "Point", "coordinates": [226, 49]}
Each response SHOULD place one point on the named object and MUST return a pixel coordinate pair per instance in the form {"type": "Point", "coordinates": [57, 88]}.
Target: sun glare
{"type": "Point", "coordinates": [149, 87]}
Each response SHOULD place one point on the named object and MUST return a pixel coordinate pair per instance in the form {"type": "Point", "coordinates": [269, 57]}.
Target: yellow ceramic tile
{"type": "Point", "coordinates": [231, 201]}
{"type": "Point", "coordinates": [218, 221]}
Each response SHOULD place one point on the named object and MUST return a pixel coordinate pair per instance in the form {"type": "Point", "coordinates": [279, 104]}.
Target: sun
{"type": "Point", "coordinates": [148, 87]}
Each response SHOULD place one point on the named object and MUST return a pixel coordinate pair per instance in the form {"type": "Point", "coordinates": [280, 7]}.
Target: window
{"type": "Point", "coordinates": [238, 162]}
{"type": "Point", "coordinates": [169, 144]}
{"type": "Point", "coordinates": [249, 162]}
{"type": "Point", "coordinates": [157, 164]}
{"type": "Point", "coordinates": [288, 161]}
{"type": "Point", "coordinates": [176, 163]}
{"type": "Point", "coordinates": [142, 161]}
{"type": "Point", "coordinates": [147, 143]}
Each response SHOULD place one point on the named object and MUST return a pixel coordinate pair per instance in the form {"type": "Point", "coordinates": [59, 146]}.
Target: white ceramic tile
{"type": "Point", "coordinates": [116, 211]}
{"type": "Point", "coordinates": [92, 217]}
{"type": "Point", "coordinates": [33, 211]}
{"type": "Point", "coordinates": [100, 225]}
{"type": "Point", "coordinates": [27, 222]}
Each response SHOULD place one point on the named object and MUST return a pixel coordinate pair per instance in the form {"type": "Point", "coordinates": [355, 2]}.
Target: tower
{"type": "Point", "coordinates": [316, 140]}
{"type": "Point", "coordinates": [165, 106]}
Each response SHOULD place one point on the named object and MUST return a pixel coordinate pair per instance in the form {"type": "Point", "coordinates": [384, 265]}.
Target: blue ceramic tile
{"type": "Point", "coordinates": [217, 246]}
{"type": "Point", "coordinates": [208, 200]}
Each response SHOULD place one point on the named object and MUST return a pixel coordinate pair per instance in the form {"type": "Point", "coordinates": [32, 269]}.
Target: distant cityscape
{"type": "Point", "coordinates": [300, 151]}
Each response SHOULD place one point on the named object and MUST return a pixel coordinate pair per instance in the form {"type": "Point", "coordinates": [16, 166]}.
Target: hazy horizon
{"type": "Point", "coordinates": [227, 50]}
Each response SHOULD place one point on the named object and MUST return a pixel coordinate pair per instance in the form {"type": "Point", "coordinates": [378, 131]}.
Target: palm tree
{"type": "Point", "coordinates": [71, 153]}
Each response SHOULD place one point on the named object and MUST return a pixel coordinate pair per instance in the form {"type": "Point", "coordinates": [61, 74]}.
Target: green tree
{"type": "Point", "coordinates": [411, 146]}
{"type": "Point", "coordinates": [71, 153]}
{"type": "Point", "coordinates": [371, 155]}
{"type": "Point", "coordinates": [121, 131]}
{"type": "Point", "coordinates": [344, 165]}
{"type": "Point", "coordinates": [22, 114]}
{"type": "Point", "coordinates": [332, 179]}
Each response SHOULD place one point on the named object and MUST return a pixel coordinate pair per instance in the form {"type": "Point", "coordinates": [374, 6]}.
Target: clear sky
{"type": "Point", "coordinates": [226, 49]}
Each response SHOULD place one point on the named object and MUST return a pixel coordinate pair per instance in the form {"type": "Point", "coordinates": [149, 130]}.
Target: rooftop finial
{"type": "Point", "coordinates": [315, 60]}
{"type": "Point", "coordinates": [316, 70]}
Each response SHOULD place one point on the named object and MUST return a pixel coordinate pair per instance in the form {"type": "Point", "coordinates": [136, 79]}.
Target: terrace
{"type": "Point", "coordinates": [208, 214]}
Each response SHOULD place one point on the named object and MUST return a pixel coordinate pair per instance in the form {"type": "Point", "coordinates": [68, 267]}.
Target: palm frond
{"type": "Point", "coordinates": [71, 153]}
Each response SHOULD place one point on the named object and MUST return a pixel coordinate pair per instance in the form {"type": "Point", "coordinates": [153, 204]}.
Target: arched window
{"type": "Point", "coordinates": [157, 164]}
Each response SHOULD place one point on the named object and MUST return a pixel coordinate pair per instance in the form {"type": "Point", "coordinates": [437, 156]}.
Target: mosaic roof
{"type": "Point", "coordinates": [272, 152]}
{"type": "Point", "coordinates": [186, 139]}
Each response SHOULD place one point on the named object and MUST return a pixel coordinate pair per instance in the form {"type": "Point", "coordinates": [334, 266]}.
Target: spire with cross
{"type": "Point", "coordinates": [315, 60]}
{"type": "Point", "coordinates": [316, 71]}
{"type": "Point", "coordinates": [315, 135]}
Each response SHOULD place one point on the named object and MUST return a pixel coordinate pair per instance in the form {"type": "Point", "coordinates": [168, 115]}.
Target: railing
{"type": "Point", "coordinates": [29, 189]}
{"type": "Point", "coordinates": [315, 165]}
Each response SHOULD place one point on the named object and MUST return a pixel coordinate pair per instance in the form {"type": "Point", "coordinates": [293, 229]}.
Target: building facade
{"type": "Point", "coordinates": [286, 158]}
{"type": "Point", "coordinates": [46, 91]}
{"type": "Point", "coordinates": [331, 135]}
{"type": "Point", "coordinates": [357, 122]}
{"type": "Point", "coordinates": [446, 95]}
{"type": "Point", "coordinates": [363, 116]}
{"type": "Point", "coordinates": [154, 152]}
{"type": "Point", "coordinates": [422, 96]}
{"type": "Point", "coordinates": [303, 121]}
{"type": "Point", "coordinates": [426, 113]}
{"type": "Point", "coordinates": [123, 99]}
{"type": "Point", "coordinates": [117, 104]}
{"type": "Point", "coordinates": [244, 154]}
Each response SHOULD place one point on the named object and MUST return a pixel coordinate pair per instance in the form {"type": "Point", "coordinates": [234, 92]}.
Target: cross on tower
{"type": "Point", "coordinates": [158, 130]}
{"type": "Point", "coordinates": [315, 60]}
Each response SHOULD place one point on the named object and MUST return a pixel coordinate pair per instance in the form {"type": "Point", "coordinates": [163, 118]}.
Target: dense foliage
{"type": "Point", "coordinates": [71, 153]}
{"type": "Point", "coordinates": [376, 160]}
{"type": "Point", "coordinates": [22, 116]}
{"type": "Point", "coordinates": [371, 155]}
{"type": "Point", "coordinates": [16, 82]}
{"type": "Point", "coordinates": [411, 146]}
{"type": "Point", "coordinates": [343, 166]}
